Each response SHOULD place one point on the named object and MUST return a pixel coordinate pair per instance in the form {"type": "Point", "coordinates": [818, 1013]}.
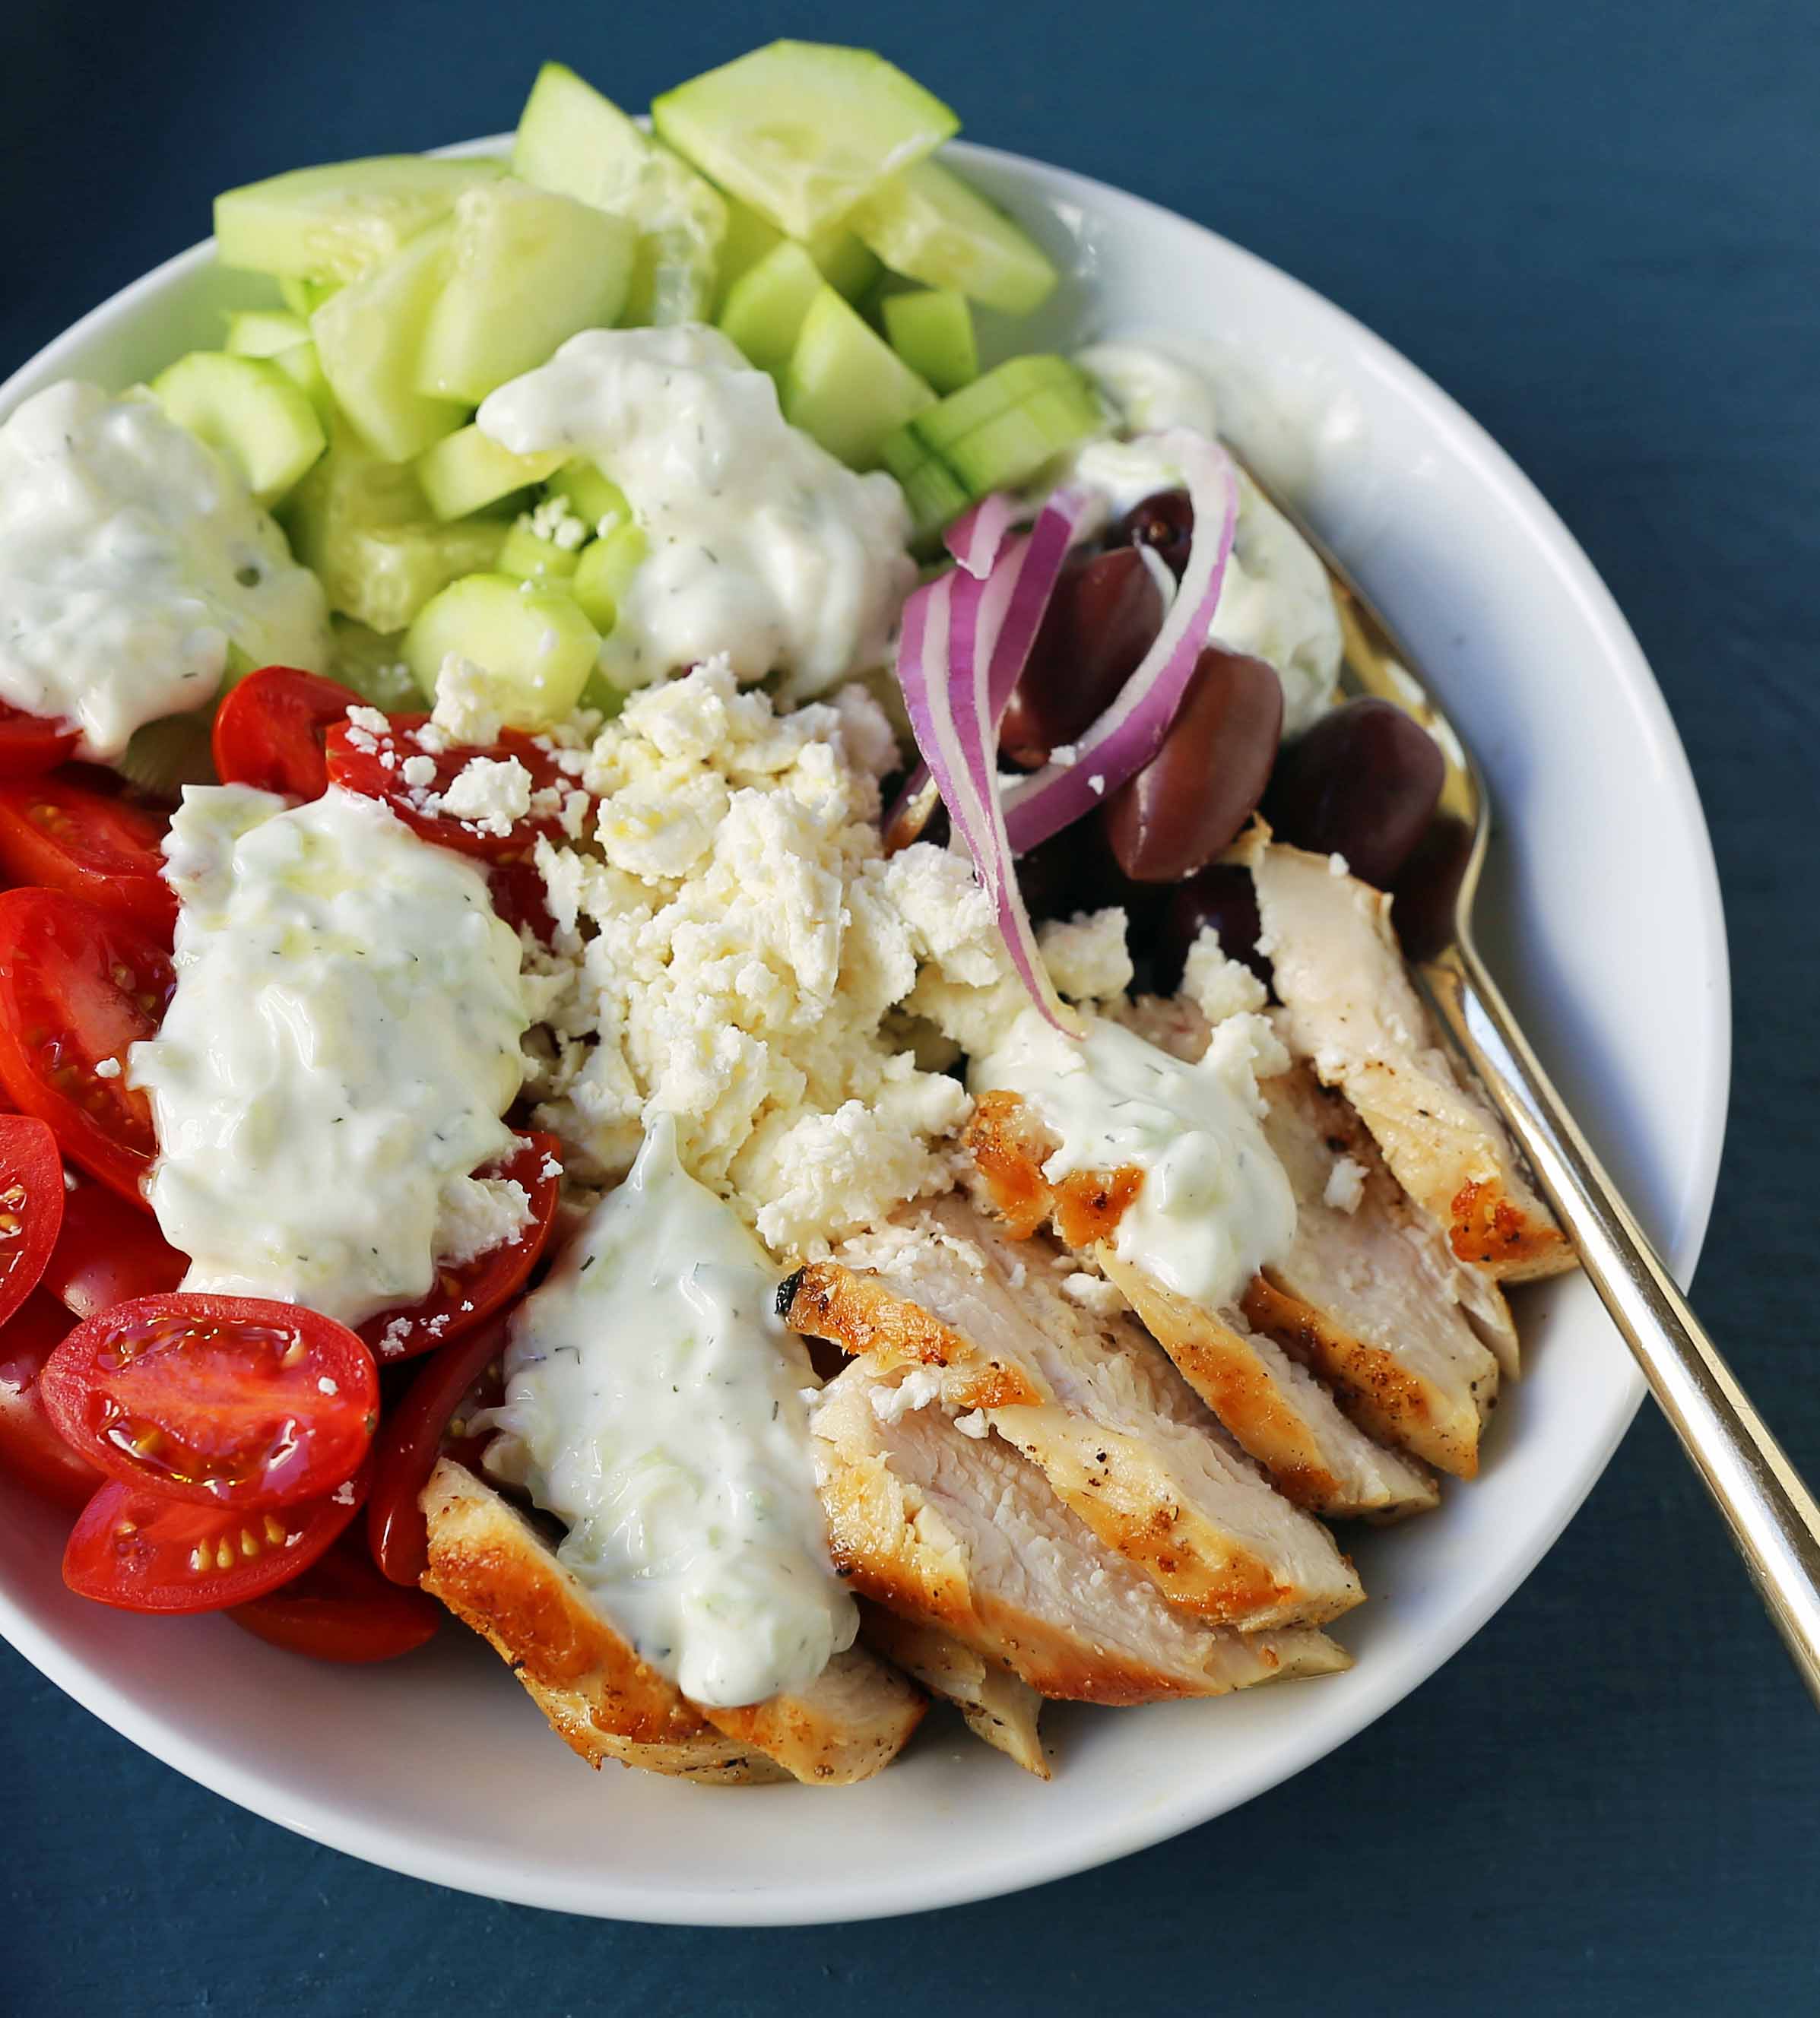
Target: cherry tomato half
{"type": "Point", "coordinates": [30, 1450]}
{"type": "Point", "coordinates": [467, 1297]}
{"type": "Point", "coordinates": [460, 1378]}
{"type": "Point", "coordinates": [108, 1253]}
{"type": "Point", "coordinates": [32, 1206]}
{"type": "Point", "coordinates": [141, 1552]}
{"type": "Point", "coordinates": [229, 1402]}
{"type": "Point", "coordinates": [78, 986]}
{"type": "Point", "coordinates": [269, 731]}
{"type": "Point", "coordinates": [342, 1610]}
{"type": "Point", "coordinates": [357, 761]}
{"type": "Point", "coordinates": [61, 836]}
{"type": "Point", "coordinates": [29, 744]}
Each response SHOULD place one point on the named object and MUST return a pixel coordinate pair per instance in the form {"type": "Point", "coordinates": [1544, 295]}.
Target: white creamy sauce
{"type": "Point", "coordinates": [762, 547]}
{"type": "Point", "coordinates": [653, 1402]}
{"type": "Point", "coordinates": [132, 560]}
{"type": "Point", "coordinates": [1215, 1203]}
{"type": "Point", "coordinates": [343, 1039]}
{"type": "Point", "coordinates": [1276, 603]}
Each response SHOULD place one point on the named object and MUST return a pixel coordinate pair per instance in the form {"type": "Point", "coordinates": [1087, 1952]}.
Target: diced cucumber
{"type": "Point", "coordinates": [848, 267]}
{"type": "Point", "coordinates": [934, 492]}
{"type": "Point", "coordinates": [928, 224]}
{"type": "Point", "coordinates": [363, 524]}
{"type": "Point", "coordinates": [1010, 450]}
{"type": "Point", "coordinates": [467, 471]}
{"type": "Point", "coordinates": [337, 222]}
{"type": "Point", "coordinates": [749, 237]}
{"type": "Point", "coordinates": [374, 666]}
{"type": "Point", "coordinates": [931, 330]}
{"type": "Point", "coordinates": [303, 298]}
{"type": "Point", "coordinates": [803, 131]}
{"type": "Point", "coordinates": [264, 332]}
{"type": "Point", "coordinates": [844, 262]}
{"type": "Point", "coordinates": [845, 386]}
{"type": "Point", "coordinates": [300, 364]}
{"type": "Point", "coordinates": [528, 556]}
{"type": "Point", "coordinates": [259, 417]}
{"type": "Point", "coordinates": [995, 392]}
{"type": "Point", "coordinates": [574, 142]}
{"type": "Point", "coordinates": [163, 757]}
{"type": "Point", "coordinates": [369, 336]}
{"type": "Point", "coordinates": [589, 492]}
{"type": "Point", "coordinates": [766, 307]}
{"type": "Point", "coordinates": [527, 270]}
{"type": "Point", "coordinates": [533, 644]}
{"type": "Point", "coordinates": [604, 567]}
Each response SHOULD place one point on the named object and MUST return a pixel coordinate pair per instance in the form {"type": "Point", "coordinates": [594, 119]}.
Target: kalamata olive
{"type": "Point", "coordinates": [1074, 871]}
{"type": "Point", "coordinates": [1193, 796]}
{"type": "Point", "coordinates": [1164, 521]}
{"type": "Point", "coordinates": [1103, 617]}
{"type": "Point", "coordinates": [1363, 783]}
{"type": "Point", "coordinates": [1422, 896]}
{"type": "Point", "coordinates": [1224, 896]}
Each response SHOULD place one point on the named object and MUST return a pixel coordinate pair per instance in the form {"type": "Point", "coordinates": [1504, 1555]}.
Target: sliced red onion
{"type": "Point", "coordinates": [977, 537]}
{"type": "Point", "coordinates": [1130, 731]}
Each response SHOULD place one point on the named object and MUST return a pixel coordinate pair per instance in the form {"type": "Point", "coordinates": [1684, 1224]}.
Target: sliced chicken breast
{"type": "Point", "coordinates": [1369, 1294]}
{"type": "Point", "coordinates": [1114, 1429]}
{"type": "Point", "coordinates": [963, 1533]}
{"type": "Point", "coordinates": [999, 1709]}
{"type": "Point", "coordinates": [493, 1569]}
{"type": "Point", "coordinates": [1276, 1413]}
{"type": "Point", "coordinates": [1350, 1006]}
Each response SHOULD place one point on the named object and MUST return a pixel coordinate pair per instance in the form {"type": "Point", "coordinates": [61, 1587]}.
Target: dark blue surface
{"type": "Point", "coordinates": [1599, 226]}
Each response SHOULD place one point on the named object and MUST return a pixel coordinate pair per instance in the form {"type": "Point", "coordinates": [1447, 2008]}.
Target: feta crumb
{"type": "Point", "coordinates": [370, 720]}
{"type": "Point", "coordinates": [555, 520]}
{"type": "Point", "coordinates": [974, 1425]}
{"type": "Point", "coordinates": [394, 1338]}
{"type": "Point", "coordinates": [107, 1068]}
{"type": "Point", "coordinates": [550, 1168]}
{"type": "Point", "coordinates": [1336, 865]}
{"type": "Point", "coordinates": [1096, 785]}
{"type": "Point", "coordinates": [1065, 754]}
{"type": "Point", "coordinates": [917, 1390]}
{"type": "Point", "coordinates": [343, 1494]}
{"type": "Point", "coordinates": [1345, 1190]}
{"type": "Point", "coordinates": [419, 772]}
{"type": "Point", "coordinates": [1219, 987]}
{"type": "Point", "coordinates": [325, 1385]}
{"type": "Point", "coordinates": [475, 1215]}
{"type": "Point", "coordinates": [493, 793]}
{"type": "Point", "coordinates": [465, 711]}
{"type": "Point", "coordinates": [1094, 1293]}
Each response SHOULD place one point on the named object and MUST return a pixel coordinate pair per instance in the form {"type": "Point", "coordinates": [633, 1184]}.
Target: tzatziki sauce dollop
{"type": "Point", "coordinates": [1215, 1202]}
{"type": "Point", "coordinates": [761, 547]}
{"type": "Point", "coordinates": [343, 1040]}
{"type": "Point", "coordinates": [654, 1404]}
{"type": "Point", "coordinates": [132, 560]}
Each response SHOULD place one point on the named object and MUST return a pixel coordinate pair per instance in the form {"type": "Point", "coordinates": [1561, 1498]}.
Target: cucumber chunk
{"type": "Point", "coordinates": [996, 393]}
{"type": "Point", "coordinates": [766, 307]}
{"type": "Point", "coordinates": [258, 417]}
{"type": "Point", "coordinates": [369, 336]}
{"type": "Point", "coordinates": [533, 644]}
{"type": "Point", "coordinates": [803, 131]}
{"type": "Point", "coordinates": [374, 666]}
{"type": "Point", "coordinates": [749, 237]}
{"type": "Point", "coordinates": [848, 267]}
{"type": "Point", "coordinates": [845, 386]}
{"type": "Point", "coordinates": [928, 224]}
{"type": "Point", "coordinates": [933, 492]}
{"type": "Point", "coordinates": [604, 567]}
{"type": "Point", "coordinates": [575, 143]}
{"type": "Point", "coordinates": [931, 330]}
{"type": "Point", "coordinates": [1011, 449]}
{"type": "Point", "coordinates": [300, 364]}
{"type": "Point", "coordinates": [529, 556]}
{"type": "Point", "coordinates": [303, 298]}
{"type": "Point", "coordinates": [590, 493]}
{"type": "Point", "coordinates": [467, 471]}
{"type": "Point", "coordinates": [264, 332]}
{"type": "Point", "coordinates": [339, 221]}
{"type": "Point", "coordinates": [527, 270]}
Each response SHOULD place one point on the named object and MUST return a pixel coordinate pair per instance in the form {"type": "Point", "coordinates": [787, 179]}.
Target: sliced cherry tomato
{"type": "Point", "coordinates": [29, 744]}
{"type": "Point", "coordinates": [342, 1610]}
{"type": "Point", "coordinates": [467, 1297]}
{"type": "Point", "coordinates": [141, 1552]}
{"type": "Point", "coordinates": [32, 1206]}
{"type": "Point", "coordinates": [357, 760]}
{"type": "Point", "coordinates": [78, 986]}
{"type": "Point", "coordinates": [30, 1450]}
{"type": "Point", "coordinates": [59, 834]}
{"type": "Point", "coordinates": [220, 1401]}
{"type": "Point", "coordinates": [269, 731]}
{"type": "Point", "coordinates": [108, 1253]}
{"type": "Point", "coordinates": [430, 1417]}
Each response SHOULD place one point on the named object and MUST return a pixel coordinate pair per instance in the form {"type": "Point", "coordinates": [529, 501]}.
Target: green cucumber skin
{"type": "Point", "coordinates": [931, 330]}
{"type": "Point", "coordinates": [767, 306]}
{"type": "Point", "coordinates": [846, 386]}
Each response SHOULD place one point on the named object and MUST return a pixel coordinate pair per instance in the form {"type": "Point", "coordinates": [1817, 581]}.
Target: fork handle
{"type": "Point", "coordinates": [1772, 1516]}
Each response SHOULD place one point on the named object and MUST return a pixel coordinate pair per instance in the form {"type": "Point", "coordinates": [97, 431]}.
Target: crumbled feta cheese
{"type": "Point", "coordinates": [107, 1068]}
{"type": "Point", "coordinates": [1063, 754]}
{"type": "Point", "coordinates": [555, 520]}
{"type": "Point", "coordinates": [475, 1215]}
{"type": "Point", "coordinates": [1096, 785]}
{"type": "Point", "coordinates": [973, 1424]}
{"type": "Point", "coordinates": [493, 793]}
{"type": "Point", "coordinates": [1218, 986]}
{"type": "Point", "coordinates": [1345, 1190]}
{"type": "Point", "coordinates": [370, 720]}
{"type": "Point", "coordinates": [325, 1385]}
{"type": "Point", "coordinates": [1094, 1293]}
{"type": "Point", "coordinates": [419, 773]}
{"type": "Point", "coordinates": [917, 1390]}
{"type": "Point", "coordinates": [1336, 865]}
{"type": "Point", "coordinates": [465, 711]}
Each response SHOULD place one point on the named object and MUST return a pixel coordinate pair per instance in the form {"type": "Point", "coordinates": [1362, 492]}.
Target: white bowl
{"type": "Point", "coordinates": [1603, 913]}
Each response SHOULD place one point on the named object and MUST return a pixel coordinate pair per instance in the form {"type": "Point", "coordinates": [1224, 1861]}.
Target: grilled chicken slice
{"type": "Point", "coordinates": [1100, 1410]}
{"type": "Point", "coordinates": [1278, 1414]}
{"type": "Point", "coordinates": [1000, 1710]}
{"type": "Point", "coordinates": [1369, 1294]}
{"type": "Point", "coordinates": [490, 1567]}
{"type": "Point", "coordinates": [963, 1533]}
{"type": "Point", "coordinates": [1350, 1006]}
